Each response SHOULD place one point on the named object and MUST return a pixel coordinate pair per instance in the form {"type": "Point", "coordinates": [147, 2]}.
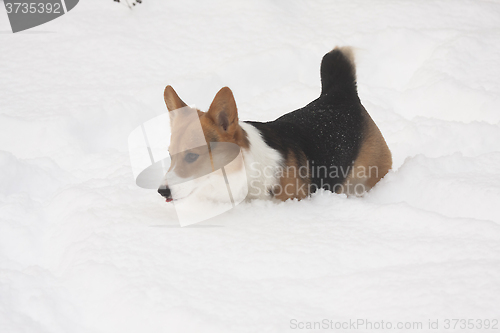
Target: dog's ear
{"type": "Point", "coordinates": [172, 99]}
{"type": "Point", "coordinates": [223, 110]}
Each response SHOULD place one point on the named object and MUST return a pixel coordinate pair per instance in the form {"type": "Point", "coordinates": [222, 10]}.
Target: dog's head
{"type": "Point", "coordinates": [201, 143]}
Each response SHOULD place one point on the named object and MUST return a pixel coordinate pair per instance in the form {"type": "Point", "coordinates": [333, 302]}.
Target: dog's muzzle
{"type": "Point", "coordinates": [165, 192]}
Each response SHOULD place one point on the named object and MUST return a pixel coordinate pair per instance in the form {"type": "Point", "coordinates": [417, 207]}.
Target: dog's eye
{"type": "Point", "coordinates": [191, 157]}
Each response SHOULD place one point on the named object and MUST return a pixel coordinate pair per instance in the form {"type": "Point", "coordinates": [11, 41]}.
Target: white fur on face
{"type": "Point", "coordinates": [208, 187]}
{"type": "Point", "coordinates": [179, 187]}
{"type": "Point", "coordinates": [262, 164]}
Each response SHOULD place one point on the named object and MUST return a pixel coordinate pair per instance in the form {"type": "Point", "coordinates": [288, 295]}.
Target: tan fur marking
{"type": "Point", "coordinates": [348, 52]}
{"type": "Point", "coordinates": [172, 99]}
{"type": "Point", "coordinates": [222, 106]}
{"type": "Point", "coordinates": [373, 162]}
{"type": "Point", "coordinates": [295, 181]}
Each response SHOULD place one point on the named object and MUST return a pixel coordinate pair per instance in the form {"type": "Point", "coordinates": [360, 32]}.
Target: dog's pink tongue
{"type": "Point", "coordinates": [169, 199]}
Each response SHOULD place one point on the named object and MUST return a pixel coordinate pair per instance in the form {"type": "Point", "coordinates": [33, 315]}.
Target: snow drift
{"type": "Point", "coordinates": [83, 249]}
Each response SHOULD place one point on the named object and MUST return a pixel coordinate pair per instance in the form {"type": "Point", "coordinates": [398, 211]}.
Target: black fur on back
{"type": "Point", "coordinates": [328, 131]}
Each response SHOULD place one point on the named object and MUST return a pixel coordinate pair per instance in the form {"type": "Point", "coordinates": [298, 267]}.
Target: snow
{"type": "Point", "coordinates": [83, 249]}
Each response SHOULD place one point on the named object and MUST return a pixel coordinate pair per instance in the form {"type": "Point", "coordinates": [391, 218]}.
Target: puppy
{"type": "Point", "coordinates": [331, 143]}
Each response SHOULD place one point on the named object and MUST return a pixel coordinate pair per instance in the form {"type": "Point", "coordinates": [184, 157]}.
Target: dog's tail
{"type": "Point", "coordinates": [338, 71]}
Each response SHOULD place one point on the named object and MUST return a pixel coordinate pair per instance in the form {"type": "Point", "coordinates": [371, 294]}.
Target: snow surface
{"type": "Point", "coordinates": [82, 249]}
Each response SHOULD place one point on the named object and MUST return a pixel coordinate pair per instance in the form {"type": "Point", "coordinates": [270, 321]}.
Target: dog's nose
{"type": "Point", "coordinates": [165, 192]}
